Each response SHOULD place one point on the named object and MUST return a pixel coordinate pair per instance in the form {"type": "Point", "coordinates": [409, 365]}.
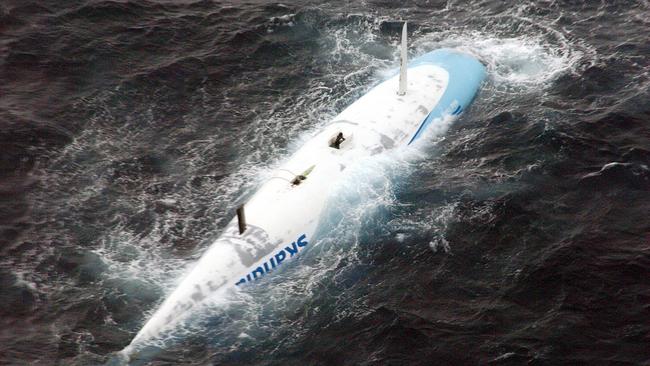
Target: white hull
{"type": "Point", "coordinates": [282, 216]}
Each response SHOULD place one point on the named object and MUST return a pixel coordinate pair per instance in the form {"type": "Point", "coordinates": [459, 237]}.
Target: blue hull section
{"type": "Point", "coordinates": [465, 77]}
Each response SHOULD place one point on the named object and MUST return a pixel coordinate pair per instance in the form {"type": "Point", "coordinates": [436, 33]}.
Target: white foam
{"type": "Point", "coordinates": [525, 62]}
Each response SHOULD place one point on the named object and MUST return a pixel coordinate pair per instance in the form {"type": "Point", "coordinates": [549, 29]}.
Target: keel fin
{"type": "Point", "coordinates": [403, 62]}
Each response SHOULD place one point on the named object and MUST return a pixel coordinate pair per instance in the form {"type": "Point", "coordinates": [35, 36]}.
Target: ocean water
{"type": "Point", "coordinates": [518, 234]}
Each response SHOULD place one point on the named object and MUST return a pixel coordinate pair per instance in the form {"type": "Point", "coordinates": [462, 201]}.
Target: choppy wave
{"type": "Point", "coordinates": [133, 129]}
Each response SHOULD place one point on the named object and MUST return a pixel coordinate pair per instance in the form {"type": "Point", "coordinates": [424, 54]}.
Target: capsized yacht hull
{"type": "Point", "coordinates": [282, 216]}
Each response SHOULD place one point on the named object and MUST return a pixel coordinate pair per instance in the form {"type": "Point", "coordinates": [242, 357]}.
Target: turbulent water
{"type": "Point", "coordinates": [131, 130]}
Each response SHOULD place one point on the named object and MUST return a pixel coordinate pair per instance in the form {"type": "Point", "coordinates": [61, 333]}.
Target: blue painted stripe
{"type": "Point", "coordinates": [422, 124]}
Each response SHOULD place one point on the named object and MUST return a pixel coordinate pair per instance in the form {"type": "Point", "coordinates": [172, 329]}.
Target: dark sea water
{"type": "Point", "coordinates": [130, 130]}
